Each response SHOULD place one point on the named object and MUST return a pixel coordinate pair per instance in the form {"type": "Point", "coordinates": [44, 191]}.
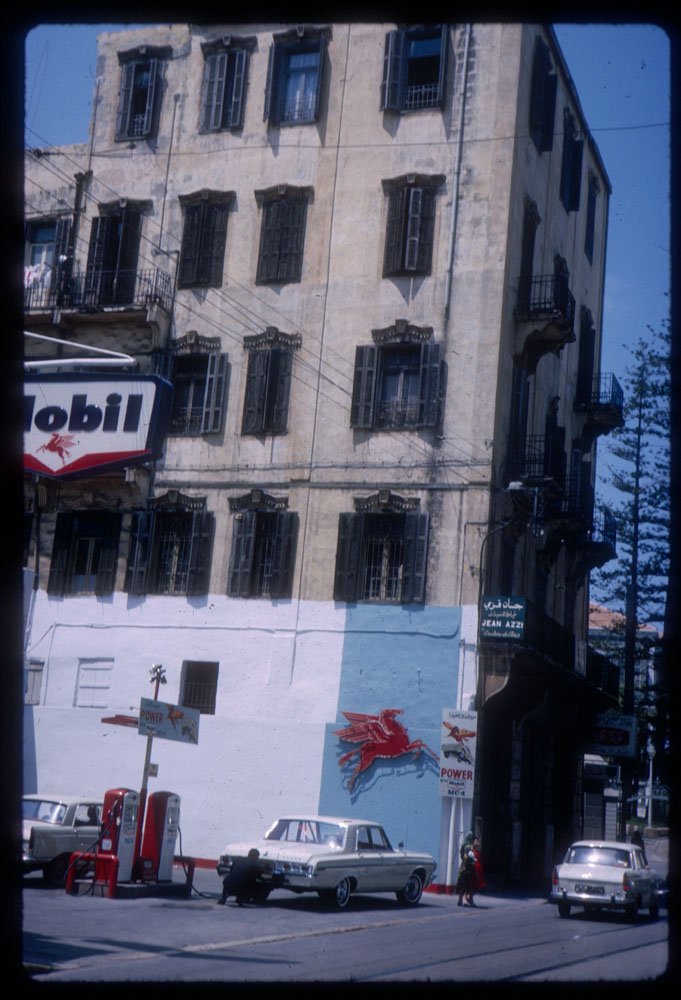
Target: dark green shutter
{"type": "Point", "coordinates": [150, 110]}
{"type": "Point", "coordinates": [426, 231]}
{"type": "Point", "coordinates": [431, 376]}
{"type": "Point", "coordinates": [141, 532]}
{"type": "Point", "coordinates": [364, 387]}
{"type": "Point", "coordinates": [348, 557]}
{"type": "Point", "coordinates": [214, 236]}
{"type": "Point", "coordinates": [279, 389]}
{"type": "Point", "coordinates": [213, 91]}
{"type": "Point", "coordinates": [542, 98]}
{"type": "Point", "coordinates": [256, 392]}
{"type": "Point", "coordinates": [189, 253]}
{"type": "Point", "coordinates": [124, 100]}
{"type": "Point", "coordinates": [108, 554]}
{"type": "Point", "coordinates": [415, 556]}
{"type": "Point", "coordinates": [442, 77]}
{"type": "Point", "coordinates": [216, 393]}
{"type": "Point", "coordinates": [284, 554]}
{"type": "Point", "coordinates": [576, 175]}
{"type": "Point", "coordinates": [270, 231]}
{"type": "Point", "coordinates": [199, 553]}
{"type": "Point", "coordinates": [321, 43]}
{"type": "Point", "coordinates": [273, 86]}
{"type": "Point", "coordinates": [241, 556]}
{"type": "Point", "coordinates": [61, 545]}
{"type": "Point", "coordinates": [236, 115]}
{"type": "Point", "coordinates": [393, 255]}
{"type": "Point", "coordinates": [392, 88]}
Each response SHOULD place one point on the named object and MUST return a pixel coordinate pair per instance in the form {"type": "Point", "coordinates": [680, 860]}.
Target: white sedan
{"type": "Point", "coordinates": [333, 857]}
{"type": "Point", "coordinates": [605, 874]}
{"type": "Point", "coordinates": [54, 827]}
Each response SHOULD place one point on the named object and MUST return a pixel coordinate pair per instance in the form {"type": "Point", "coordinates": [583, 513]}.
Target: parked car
{"type": "Point", "coordinates": [605, 874]}
{"type": "Point", "coordinates": [54, 827]}
{"type": "Point", "coordinates": [333, 857]}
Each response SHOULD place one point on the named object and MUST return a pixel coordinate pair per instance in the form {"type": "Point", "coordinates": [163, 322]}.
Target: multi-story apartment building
{"type": "Point", "coordinates": [369, 258]}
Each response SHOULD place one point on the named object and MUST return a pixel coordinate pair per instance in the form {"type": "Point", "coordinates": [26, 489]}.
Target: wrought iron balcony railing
{"type": "Point", "coordinates": [538, 457]}
{"type": "Point", "coordinates": [602, 672]}
{"type": "Point", "coordinates": [543, 296]}
{"type": "Point", "coordinates": [604, 530]}
{"type": "Point", "coordinates": [604, 391]}
{"type": "Point", "coordinates": [136, 289]}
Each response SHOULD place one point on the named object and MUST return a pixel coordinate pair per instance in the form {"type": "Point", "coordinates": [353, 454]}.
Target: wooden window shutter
{"type": "Point", "coordinates": [100, 232]}
{"type": "Point", "coordinates": [125, 100]}
{"type": "Point", "coordinates": [189, 253]}
{"type": "Point", "coordinates": [392, 86]}
{"type": "Point", "coordinates": [268, 257]}
{"type": "Point", "coordinates": [291, 240]}
{"type": "Point", "coordinates": [426, 231]}
{"type": "Point", "coordinates": [431, 378]}
{"type": "Point", "coordinates": [256, 392]}
{"type": "Point", "coordinates": [320, 73]}
{"type": "Point", "coordinates": [216, 393]}
{"type": "Point", "coordinates": [273, 86]}
{"type": "Point", "coordinates": [236, 115]}
{"type": "Point", "coordinates": [393, 256]}
{"type": "Point", "coordinates": [542, 98]}
{"type": "Point", "coordinates": [284, 554]}
{"type": "Point", "coordinates": [442, 77]}
{"type": "Point", "coordinates": [141, 534]}
{"type": "Point", "coordinates": [150, 110]}
{"type": "Point", "coordinates": [415, 556]}
{"type": "Point", "coordinates": [413, 206]}
{"type": "Point", "coordinates": [213, 91]}
{"type": "Point", "coordinates": [576, 175]}
{"type": "Point", "coordinates": [108, 558]}
{"type": "Point", "coordinates": [200, 552]}
{"type": "Point", "coordinates": [63, 536]}
{"type": "Point", "coordinates": [213, 239]}
{"type": "Point", "coordinates": [279, 388]}
{"type": "Point", "coordinates": [241, 556]}
{"type": "Point", "coordinates": [348, 557]}
{"type": "Point", "coordinates": [364, 387]}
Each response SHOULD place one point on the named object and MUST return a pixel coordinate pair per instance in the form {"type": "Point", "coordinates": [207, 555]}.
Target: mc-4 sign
{"type": "Point", "coordinates": [77, 424]}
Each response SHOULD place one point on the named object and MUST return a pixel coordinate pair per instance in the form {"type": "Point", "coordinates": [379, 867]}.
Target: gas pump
{"type": "Point", "coordinates": [161, 828]}
{"type": "Point", "coordinates": [119, 827]}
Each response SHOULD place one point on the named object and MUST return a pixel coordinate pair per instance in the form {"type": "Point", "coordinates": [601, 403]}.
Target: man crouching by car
{"type": "Point", "coordinates": [241, 880]}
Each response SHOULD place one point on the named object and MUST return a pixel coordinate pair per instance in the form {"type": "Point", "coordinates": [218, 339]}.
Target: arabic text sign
{"type": "Point", "coordinates": [457, 753]}
{"type": "Point", "coordinates": [168, 722]}
{"type": "Point", "coordinates": [613, 735]}
{"type": "Point", "coordinates": [502, 618]}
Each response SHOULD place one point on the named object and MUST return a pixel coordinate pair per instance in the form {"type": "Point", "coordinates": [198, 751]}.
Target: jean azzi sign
{"type": "Point", "coordinates": [502, 618]}
{"type": "Point", "coordinates": [75, 424]}
{"type": "Point", "coordinates": [457, 753]}
{"type": "Point", "coordinates": [168, 722]}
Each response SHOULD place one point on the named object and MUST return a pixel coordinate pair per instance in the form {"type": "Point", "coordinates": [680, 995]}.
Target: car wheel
{"type": "Point", "coordinates": [342, 893]}
{"type": "Point", "coordinates": [57, 869]}
{"type": "Point", "coordinates": [412, 890]}
{"type": "Point", "coordinates": [654, 910]}
{"type": "Point", "coordinates": [633, 910]}
{"type": "Point", "coordinates": [563, 909]}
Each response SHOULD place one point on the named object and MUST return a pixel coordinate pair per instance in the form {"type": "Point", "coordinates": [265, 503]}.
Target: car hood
{"type": "Point", "coordinates": [275, 850]}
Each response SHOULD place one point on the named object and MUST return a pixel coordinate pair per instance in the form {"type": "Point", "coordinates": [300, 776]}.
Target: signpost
{"type": "Point", "coordinates": [503, 618]}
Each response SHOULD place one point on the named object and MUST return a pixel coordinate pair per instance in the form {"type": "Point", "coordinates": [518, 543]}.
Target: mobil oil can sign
{"type": "Point", "coordinates": [76, 424]}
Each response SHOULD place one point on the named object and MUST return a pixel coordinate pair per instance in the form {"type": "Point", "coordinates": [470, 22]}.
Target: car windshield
{"type": "Point", "coordinates": [45, 810]}
{"type": "Point", "coordinates": [612, 856]}
{"type": "Point", "coordinates": [307, 831]}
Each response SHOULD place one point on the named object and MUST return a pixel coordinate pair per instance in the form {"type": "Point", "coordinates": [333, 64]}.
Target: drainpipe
{"type": "Point", "coordinates": [457, 170]}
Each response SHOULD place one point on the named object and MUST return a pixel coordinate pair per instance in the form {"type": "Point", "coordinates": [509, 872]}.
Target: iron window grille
{"type": "Point", "coordinates": [111, 271]}
{"type": "Point", "coordinates": [410, 224]}
{"type": "Point", "coordinates": [223, 90]}
{"type": "Point", "coordinates": [268, 381]}
{"type": "Point", "coordinates": [382, 551]}
{"type": "Point", "coordinates": [199, 685]}
{"type": "Point", "coordinates": [263, 548]}
{"type": "Point", "coordinates": [170, 547]}
{"type": "Point", "coordinates": [415, 68]}
{"type": "Point", "coordinates": [200, 377]}
{"type": "Point", "coordinates": [204, 236]}
{"type": "Point", "coordinates": [542, 98]}
{"type": "Point", "coordinates": [139, 97]}
{"type": "Point", "coordinates": [84, 553]}
{"type": "Point", "coordinates": [398, 381]}
{"type": "Point", "coordinates": [295, 75]}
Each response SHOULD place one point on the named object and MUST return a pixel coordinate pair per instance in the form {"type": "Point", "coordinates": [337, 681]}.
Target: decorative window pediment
{"type": "Point", "coordinates": [402, 332]}
{"type": "Point", "coordinates": [272, 337]}
{"type": "Point", "coordinates": [174, 500]}
{"type": "Point", "coordinates": [385, 501]}
{"type": "Point", "coordinates": [257, 500]}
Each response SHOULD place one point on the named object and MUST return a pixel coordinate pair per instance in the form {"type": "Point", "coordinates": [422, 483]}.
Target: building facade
{"type": "Point", "coordinates": [369, 260]}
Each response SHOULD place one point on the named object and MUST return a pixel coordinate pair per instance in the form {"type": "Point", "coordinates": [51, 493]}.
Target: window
{"type": "Point", "coordinates": [170, 547]}
{"type": "Point", "coordinates": [200, 377]}
{"type": "Point", "coordinates": [93, 683]}
{"type": "Point", "coordinates": [542, 98]}
{"type": "Point", "coordinates": [382, 549]}
{"type": "Point", "coordinates": [268, 381]}
{"type": "Point", "coordinates": [140, 92]}
{"type": "Point", "coordinates": [587, 355]}
{"type": "Point", "coordinates": [111, 273]}
{"type": "Point", "coordinates": [199, 685]}
{"type": "Point", "coordinates": [398, 380]}
{"type": "Point", "coordinates": [589, 232]}
{"type": "Point", "coordinates": [84, 553]}
{"type": "Point", "coordinates": [294, 76]}
{"type": "Point", "coordinates": [203, 238]}
{"type": "Point", "coordinates": [410, 225]}
{"type": "Point", "coordinates": [33, 681]}
{"type": "Point", "coordinates": [531, 220]}
{"type": "Point", "coordinates": [263, 547]}
{"type": "Point", "coordinates": [223, 91]}
{"type": "Point", "coordinates": [46, 240]}
{"type": "Point", "coordinates": [414, 68]}
{"type": "Point", "coordinates": [282, 234]}
{"type": "Point", "coordinates": [571, 167]}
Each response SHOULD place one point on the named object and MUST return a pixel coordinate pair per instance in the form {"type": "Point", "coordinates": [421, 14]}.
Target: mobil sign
{"type": "Point", "coordinates": [84, 423]}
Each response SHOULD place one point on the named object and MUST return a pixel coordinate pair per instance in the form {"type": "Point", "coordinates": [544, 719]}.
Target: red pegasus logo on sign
{"type": "Point", "coordinates": [380, 735]}
{"type": "Point", "coordinates": [60, 444]}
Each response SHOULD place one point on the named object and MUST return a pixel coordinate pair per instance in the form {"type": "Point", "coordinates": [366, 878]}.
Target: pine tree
{"type": "Point", "coordinates": [635, 583]}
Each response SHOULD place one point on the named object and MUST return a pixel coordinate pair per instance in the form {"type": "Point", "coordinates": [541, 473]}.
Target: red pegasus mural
{"type": "Point", "coordinates": [380, 736]}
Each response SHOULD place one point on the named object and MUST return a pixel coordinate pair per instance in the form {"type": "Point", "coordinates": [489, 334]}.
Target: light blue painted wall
{"type": "Point", "coordinates": [395, 657]}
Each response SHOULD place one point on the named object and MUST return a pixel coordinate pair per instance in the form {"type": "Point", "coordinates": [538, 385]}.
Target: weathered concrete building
{"type": "Point", "coordinates": [369, 259]}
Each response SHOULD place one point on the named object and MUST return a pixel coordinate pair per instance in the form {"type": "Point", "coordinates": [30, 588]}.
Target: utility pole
{"type": "Point", "coordinates": [157, 675]}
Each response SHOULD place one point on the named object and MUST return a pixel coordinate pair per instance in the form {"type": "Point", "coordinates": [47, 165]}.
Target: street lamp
{"type": "Point", "coordinates": [651, 756]}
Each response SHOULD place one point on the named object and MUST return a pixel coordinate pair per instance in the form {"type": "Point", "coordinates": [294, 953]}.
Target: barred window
{"type": "Point", "coordinates": [170, 548]}
{"type": "Point", "coordinates": [262, 557]}
{"type": "Point", "coordinates": [84, 553]}
{"type": "Point", "coordinates": [294, 77]}
{"type": "Point", "coordinates": [199, 685]}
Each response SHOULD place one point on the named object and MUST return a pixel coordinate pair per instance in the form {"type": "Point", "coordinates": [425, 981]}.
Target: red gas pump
{"type": "Point", "coordinates": [119, 826]}
{"type": "Point", "coordinates": [161, 828]}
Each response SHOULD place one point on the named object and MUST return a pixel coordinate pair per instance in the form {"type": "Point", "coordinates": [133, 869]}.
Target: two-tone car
{"type": "Point", "coordinates": [334, 857]}
{"type": "Point", "coordinates": [605, 874]}
{"type": "Point", "coordinates": [53, 828]}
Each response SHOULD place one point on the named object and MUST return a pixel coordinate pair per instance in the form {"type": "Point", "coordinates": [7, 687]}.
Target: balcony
{"type": "Point", "coordinates": [603, 407]}
{"type": "Point", "coordinates": [600, 544]}
{"type": "Point", "coordinates": [539, 460]}
{"type": "Point", "coordinates": [602, 672]}
{"type": "Point", "coordinates": [545, 313]}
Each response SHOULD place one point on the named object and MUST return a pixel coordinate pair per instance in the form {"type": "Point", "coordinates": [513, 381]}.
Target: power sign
{"type": "Point", "coordinates": [76, 424]}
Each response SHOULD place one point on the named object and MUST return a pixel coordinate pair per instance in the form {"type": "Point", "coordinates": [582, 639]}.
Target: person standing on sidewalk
{"type": "Point", "coordinates": [471, 876]}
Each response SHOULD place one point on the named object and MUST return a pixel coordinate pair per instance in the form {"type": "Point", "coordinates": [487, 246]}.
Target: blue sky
{"type": "Point", "coordinates": [622, 76]}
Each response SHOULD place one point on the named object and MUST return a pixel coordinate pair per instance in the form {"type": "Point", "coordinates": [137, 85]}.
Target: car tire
{"type": "Point", "coordinates": [412, 891]}
{"type": "Point", "coordinates": [55, 872]}
{"type": "Point", "coordinates": [342, 893]}
{"type": "Point", "coordinates": [633, 911]}
{"type": "Point", "coordinates": [563, 909]}
{"type": "Point", "coordinates": [654, 910]}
